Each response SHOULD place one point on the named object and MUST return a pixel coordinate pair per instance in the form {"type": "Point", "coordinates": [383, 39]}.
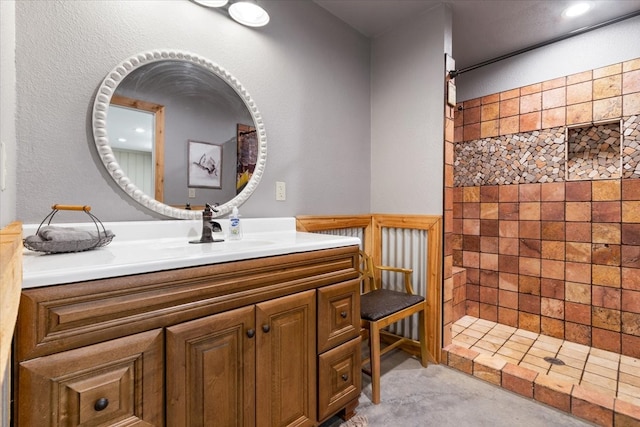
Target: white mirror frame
{"type": "Point", "coordinates": [101, 139]}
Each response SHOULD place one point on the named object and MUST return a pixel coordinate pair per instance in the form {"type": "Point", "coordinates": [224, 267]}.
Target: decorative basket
{"type": "Point", "coordinates": [85, 243]}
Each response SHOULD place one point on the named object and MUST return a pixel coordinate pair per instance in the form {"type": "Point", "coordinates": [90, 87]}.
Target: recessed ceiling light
{"type": "Point", "coordinates": [576, 10]}
{"type": "Point", "coordinates": [122, 139]}
{"type": "Point", "coordinates": [140, 130]}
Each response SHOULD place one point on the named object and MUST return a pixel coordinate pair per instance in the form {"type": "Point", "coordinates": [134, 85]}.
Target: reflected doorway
{"type": "Point", "coordinates": [136, 135]}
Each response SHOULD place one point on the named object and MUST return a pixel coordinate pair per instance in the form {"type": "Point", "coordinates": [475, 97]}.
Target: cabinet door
{"type": "Point", "coordinates": [286, 359]}
{"type": "Point", "coordinates": [211, 371]}
{"type": "Point", "coordinates": [118, 382]}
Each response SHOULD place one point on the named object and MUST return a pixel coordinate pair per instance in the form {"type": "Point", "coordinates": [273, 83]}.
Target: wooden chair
{"type": "Point", "coordinates": [381, 307]}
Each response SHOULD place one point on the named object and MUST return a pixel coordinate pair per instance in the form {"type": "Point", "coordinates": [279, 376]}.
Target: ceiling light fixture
{"type": "Point", "coordinates": [212, 3]}
{"type": "Point", "coordinates": [245, 12]}
{"type": "Point", "coordinates": [576, 10]}
{"type": "Point", "coordinates": [249, 13]}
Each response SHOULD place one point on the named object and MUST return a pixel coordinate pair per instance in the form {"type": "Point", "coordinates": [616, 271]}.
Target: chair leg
{"type": "Point", "coordinates": [422, 334]}
{"type": "Point", "coordinates": [374, 348]}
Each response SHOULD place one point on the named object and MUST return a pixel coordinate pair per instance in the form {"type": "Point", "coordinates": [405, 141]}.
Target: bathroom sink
{"type": "Point", "coordinates": [148, 246]}
{"type": "Point", "coordinates": [236, 245]}
{"type": "Point", "coordinates": [173, 248]}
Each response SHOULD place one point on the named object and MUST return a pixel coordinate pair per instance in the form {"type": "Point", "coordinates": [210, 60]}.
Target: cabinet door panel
{"type": "Point", "coordinates": [115, 382]}
{"type": "Point", "coordinates": [286, 354]}
{"type": "Point", "coordinates": [211, 370]}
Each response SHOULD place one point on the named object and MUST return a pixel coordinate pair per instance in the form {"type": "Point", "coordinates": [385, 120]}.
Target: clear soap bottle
{"type": "Point", "coordinates": [235, 231]}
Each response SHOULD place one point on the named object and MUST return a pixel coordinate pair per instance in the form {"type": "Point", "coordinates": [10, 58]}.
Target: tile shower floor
{"type": "Point", "coordinates": [608, 373]}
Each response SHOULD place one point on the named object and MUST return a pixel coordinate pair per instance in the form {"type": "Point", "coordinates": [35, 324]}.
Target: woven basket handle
{"type": "Point", "coordinates": [85, 208]}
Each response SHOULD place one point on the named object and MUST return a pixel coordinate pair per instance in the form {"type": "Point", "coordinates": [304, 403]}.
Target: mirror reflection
{"type": "Point", "coordinates": [198, 106]}
{"type": "Point", "coordinates": [137, 134]}
{"type": "Point", "coordinates": [159, 110]}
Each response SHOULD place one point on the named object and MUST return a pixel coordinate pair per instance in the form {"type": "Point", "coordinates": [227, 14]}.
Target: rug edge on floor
{"type": "Point", "coordinates": [356, 421]}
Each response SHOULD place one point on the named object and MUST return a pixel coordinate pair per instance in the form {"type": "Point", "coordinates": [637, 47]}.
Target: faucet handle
{"type": "Point", "coordinates": [212, 207]}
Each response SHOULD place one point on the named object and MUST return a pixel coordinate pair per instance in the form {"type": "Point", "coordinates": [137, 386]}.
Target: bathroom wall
{"type": "Point", "coordinates": [544, 251]}
{"type": "Point", "coordinates": [407, 87]}
{"type": "Point", "coordinates": [594, 49]}
{"type": "Point", "coordinates": [307, 72]}
{"type": "Point", "coordinates": [8, 154]}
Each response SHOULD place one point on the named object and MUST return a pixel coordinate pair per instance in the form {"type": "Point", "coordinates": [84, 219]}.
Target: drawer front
{"type": "Point", "coordinates": [116, 382]}
{"type": "Point", "coordinates": [338, 314]}
{"type": "Point", "coordinates": [339, 379]}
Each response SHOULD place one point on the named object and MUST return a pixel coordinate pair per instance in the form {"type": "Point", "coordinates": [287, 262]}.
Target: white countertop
{"type": "Point", "coordinates": [147, 246]}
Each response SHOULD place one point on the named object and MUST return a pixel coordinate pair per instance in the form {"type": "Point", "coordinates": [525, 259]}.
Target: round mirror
{"type": "Point", "coordinates": [176, 131]}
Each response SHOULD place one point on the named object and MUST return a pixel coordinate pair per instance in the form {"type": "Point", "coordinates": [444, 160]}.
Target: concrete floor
{"type": "Point", "coordinates": [441, 396]}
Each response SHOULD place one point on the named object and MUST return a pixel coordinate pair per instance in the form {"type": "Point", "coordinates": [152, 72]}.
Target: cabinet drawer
{"type": "Point", "coordinates": [339, 378]}
{"type": "Point", "coordinates": [115, 382]}
{"type": "Point", "coordinates": [338, 314]}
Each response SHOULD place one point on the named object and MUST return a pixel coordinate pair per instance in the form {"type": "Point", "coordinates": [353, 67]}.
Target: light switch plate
{"type": "Point", "coordinates": [192, 193]}
{"type": "Point", "coordinates": [3, 167]}
{"type": "Point", "coordinates": [281, 191]}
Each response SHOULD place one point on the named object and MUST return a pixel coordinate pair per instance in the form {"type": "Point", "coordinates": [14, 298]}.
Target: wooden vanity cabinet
{"type": "Point", "coordinates": [265, 342]}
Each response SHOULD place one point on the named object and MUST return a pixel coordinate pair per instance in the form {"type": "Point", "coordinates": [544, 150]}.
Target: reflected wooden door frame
{"type": "Point", "coordinates": [158, 146]}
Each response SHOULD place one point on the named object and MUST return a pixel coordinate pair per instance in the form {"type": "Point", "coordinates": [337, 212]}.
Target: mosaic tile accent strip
{"type": "Point", "coordinates": [538, 157]}
{"type": "Point", "coordinates": [594, 152]}
{"type": "Point", "coordinates": [526, 157]}
{"type": "Point", "coordinates": [631, 148]}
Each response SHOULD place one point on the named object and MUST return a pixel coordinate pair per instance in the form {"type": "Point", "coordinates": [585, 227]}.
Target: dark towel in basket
{"type": "Point", "coordinates": [55, 239]}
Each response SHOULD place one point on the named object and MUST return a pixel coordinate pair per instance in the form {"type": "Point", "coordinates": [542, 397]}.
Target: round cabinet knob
{"type": "Point", "coordinates": [345, 377]}
{"type": "Point", "coordinates": [101, 404]}
{"type": "Point", "coordinates": [266, 328]}
{"type": "Point", "coordinates": [343, 314]}
{"type": "Point", "coordinates": [251, 333]}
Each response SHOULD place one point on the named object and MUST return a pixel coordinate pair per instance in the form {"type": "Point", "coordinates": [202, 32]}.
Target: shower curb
{"type": "Point", "coordinates": [583, 403]}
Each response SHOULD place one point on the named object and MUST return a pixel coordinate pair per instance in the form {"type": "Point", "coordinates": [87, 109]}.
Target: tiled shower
{"type": "Point", "coordinates": [546, 207]}
{"type": "Point", "coordinates": [542, 241]}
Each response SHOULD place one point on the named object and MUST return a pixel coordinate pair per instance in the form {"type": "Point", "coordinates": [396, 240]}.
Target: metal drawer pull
{"type": "Point", "coordinates": [101, 404]}
{"type": "Point", "coordinates": [343, 314]}
{"type": "Point", "coordinates": [251, 333]}
{"type": "Point", "coordinates": [345, 377]}
{"type": "Point", "coordinates": [266, 328]}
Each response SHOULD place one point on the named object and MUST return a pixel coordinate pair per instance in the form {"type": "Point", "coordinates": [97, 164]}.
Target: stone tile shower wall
{"type": "Point", "coordinates": [549, 231]}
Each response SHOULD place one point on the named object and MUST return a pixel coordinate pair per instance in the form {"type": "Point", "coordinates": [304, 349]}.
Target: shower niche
{"type": "Point", "coordinates": [594, 151]}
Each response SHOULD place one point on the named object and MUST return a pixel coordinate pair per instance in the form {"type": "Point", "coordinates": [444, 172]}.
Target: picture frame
{"type": "Point", "coordinates": [247, 140]}
{"type": "Point", "coordinates": [204, 165]}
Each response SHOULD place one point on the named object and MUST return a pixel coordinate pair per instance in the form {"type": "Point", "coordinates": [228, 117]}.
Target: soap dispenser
{"type": "Point", "coordinates": [235, 232]}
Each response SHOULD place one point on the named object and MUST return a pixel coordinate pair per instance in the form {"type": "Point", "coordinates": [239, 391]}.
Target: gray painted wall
{"type": "Point", "coordinates": [7, 113]}
{"type": "Point", "coordinates": [407, 114]}
{"type": "Point", "coordinates": [598, 48]}
{"type": "Point", "coordinates": [7, 157]}
{"type": "Point", "coordinates": [307, 72]}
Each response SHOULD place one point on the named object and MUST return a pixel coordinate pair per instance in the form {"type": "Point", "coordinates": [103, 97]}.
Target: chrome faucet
{"type": "Point", "coordinates": [209, 226]}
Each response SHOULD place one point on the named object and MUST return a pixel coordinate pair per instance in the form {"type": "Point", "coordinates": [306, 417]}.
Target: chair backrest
{"type": "Point", "coordinates": [367, 273]}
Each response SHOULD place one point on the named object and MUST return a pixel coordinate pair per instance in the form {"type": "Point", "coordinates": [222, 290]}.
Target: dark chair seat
{"type": "Point", "coordinates": [380, 303]}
